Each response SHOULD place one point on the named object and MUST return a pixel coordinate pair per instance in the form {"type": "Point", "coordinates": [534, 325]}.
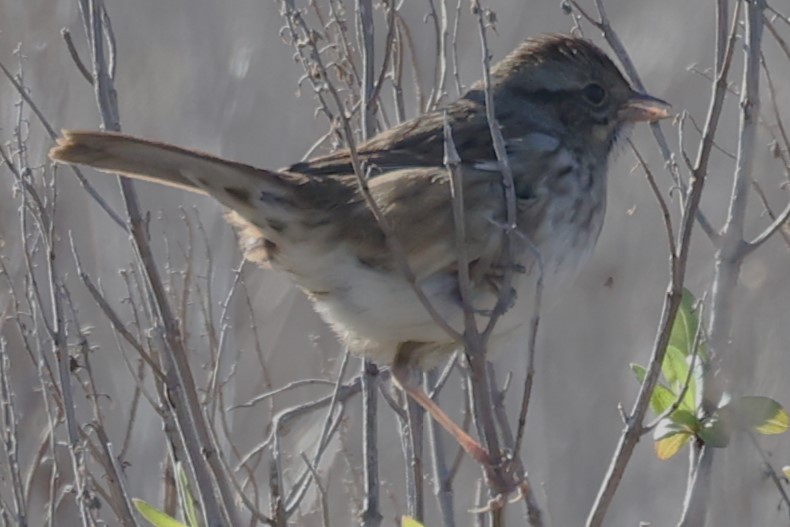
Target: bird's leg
{"type": "Point", "coordinates": [401, 374]}
{"type": "Point", "coordinates": [501, 477]}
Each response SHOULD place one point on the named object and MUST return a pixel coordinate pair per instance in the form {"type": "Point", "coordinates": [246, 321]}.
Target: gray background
{"type": "Point", "coordinates": [216, 76]}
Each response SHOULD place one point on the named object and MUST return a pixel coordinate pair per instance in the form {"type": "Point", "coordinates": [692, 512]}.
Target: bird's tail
{"type": "Point", "coordinates": [235, 185]}
{"type": "Point", "coordinates": [262, 202]}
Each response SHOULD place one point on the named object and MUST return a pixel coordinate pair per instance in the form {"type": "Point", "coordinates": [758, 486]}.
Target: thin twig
{"type": "Point", "coordinates": [92, 192]}
{"type": "Point", "coordinates": [662, 203]}
{"type": "Point", "coordinates": [75, 56]}
{"type": "Point", "coordinates": [770, 470]}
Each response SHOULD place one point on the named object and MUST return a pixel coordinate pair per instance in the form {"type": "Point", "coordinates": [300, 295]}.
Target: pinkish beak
{"type": "Point", "coordinates": [643, 107]}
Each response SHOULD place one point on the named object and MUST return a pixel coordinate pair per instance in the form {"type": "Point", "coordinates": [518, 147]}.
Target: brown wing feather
{"type": "Point", "coordinates": [418, 206]}
{"type": "Point", "coordinates": [414, 144]}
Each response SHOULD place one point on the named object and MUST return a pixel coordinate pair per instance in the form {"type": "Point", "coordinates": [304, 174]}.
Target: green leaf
{"type": "Point", "coordinates": [639, 371]}
{"type": "Point", "coordinates": [686, 419]}
{"type": "Point", "coordinates": [187, 501]}
{"type": "Point", "coordinates": [666, 427]}
{"type": "Point", "coordinates": [681, 343]}
{"type": "Point", "coordinates": [714, 432]}
{"type": "Point", "coordinates": [674, 367]}
{"type": "Point", "coordinates": [692, 398]}
{"type": "Point", "coordinates": [762, 414]}
{"type": "Point", "coordinates": [408, 521]}
{"type": "Point", "coordinates": [154, 516]}
{"type": "Point", "coordinates": [676, 370]}
{"type": "Point", "coordinates": [684, 330]}
{"type": "Point", "coordinates": [662, 397]}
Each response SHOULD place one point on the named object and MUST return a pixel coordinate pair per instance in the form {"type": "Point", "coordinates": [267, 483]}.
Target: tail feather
{"type": "Point", "coordinates": [235, 185]}
{"type": "Point", "coordinates": [125, 155]}
{"type": "Point", "coordinates": [261, 200]}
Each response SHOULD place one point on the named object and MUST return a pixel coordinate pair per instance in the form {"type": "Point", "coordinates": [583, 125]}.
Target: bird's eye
{"type": "Point", "coordinates": [594, 94]}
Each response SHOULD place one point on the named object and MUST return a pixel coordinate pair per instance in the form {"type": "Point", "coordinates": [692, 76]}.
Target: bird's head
{"type": "Point", "coordinates": [573, 85]}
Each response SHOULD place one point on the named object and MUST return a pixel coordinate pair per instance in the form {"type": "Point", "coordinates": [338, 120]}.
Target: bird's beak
{"type": "Point", "coordinates": [643, 107]}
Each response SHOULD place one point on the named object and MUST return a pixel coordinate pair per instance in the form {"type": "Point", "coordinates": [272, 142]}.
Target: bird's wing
{"type": "Point", "coordinates": [418, 204]}
{"type": "Point", "coordinates": [418, 142]}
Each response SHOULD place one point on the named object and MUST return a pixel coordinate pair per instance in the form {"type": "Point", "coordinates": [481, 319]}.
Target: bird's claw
{"type": "Point", "coordinates": [501, 499]}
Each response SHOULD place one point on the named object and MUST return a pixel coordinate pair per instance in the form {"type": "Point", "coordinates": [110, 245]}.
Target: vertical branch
{"type": "Point", "coordinates": [478, 375]}
{"type": "Point", "coordinates": [10, 435]}
{"type": "Point", "coordinates": [181, 390]}
{"type": "Point", "coordinates": [731, 252]}
{"type": "Point", "coordinates": [411, 420]}
{"type": "Point", "coordinates": [442, 55]}
{"type": "Point", "coordinates": [456, 69]}
{"type": "Point", "coordinates": [276, 498]}
{"type": "Point", "coordinates": [505, 296]}
{"type": "Point", "coordinates": [365, 29]}
{"type": "Point", "coordinates": [474, 341]}
{"type": "Point", "coordinates": [442, 478]}
{"type": "Point", "coordinates": [371, 517]}
{"type": "Point", "coordinates": [438, 35]}
{"type": "Point", "coordinates": [678, 260]}
{"type": "Point", "coordinates": [698, 487]}
{"type": "Point", "coordinates": [60, 351]}
{"type": "Point", "coordinates": [729, 257]}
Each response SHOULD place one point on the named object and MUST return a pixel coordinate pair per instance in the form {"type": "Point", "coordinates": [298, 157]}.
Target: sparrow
{"type": "Point", "coordinates": [561, 105]}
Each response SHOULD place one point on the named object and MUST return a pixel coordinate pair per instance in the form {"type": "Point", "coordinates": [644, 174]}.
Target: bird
{"type": "Point", "coordinates": [561, 105]}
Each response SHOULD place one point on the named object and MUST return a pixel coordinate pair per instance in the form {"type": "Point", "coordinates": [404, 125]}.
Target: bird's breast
{"type": "Point", "coordinates": [565, 219]}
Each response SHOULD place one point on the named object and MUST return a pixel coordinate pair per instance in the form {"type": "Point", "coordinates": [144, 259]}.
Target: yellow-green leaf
{"type": "Point", "coordinates": [776, 424]}
{"type": "Point", "coordinates": [671, 445]}
{"type": "Point", "coordinates": [762, 414]}
{"type": "Point", "coordinates": [408, 521]}
{"type": "Point", "coordinates": [669, 437]}
{"type": "Point", "coordinates": [662, 397]}
{"type": "Point", "coordinates": [154, 516]}
{"type": "Point", "coordinates": [786, 471]}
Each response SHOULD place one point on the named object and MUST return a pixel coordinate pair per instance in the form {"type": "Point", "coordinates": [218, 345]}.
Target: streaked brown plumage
{"type": "Point", "coordinates": [561, 104]}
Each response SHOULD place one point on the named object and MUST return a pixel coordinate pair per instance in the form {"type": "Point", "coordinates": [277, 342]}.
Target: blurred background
{"type": "Point", "coordinates": [217, 76]}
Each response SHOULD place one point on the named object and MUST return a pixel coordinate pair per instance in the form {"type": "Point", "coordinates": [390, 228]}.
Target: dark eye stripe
{"type": "Point", "coordinates": [542, 96]}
